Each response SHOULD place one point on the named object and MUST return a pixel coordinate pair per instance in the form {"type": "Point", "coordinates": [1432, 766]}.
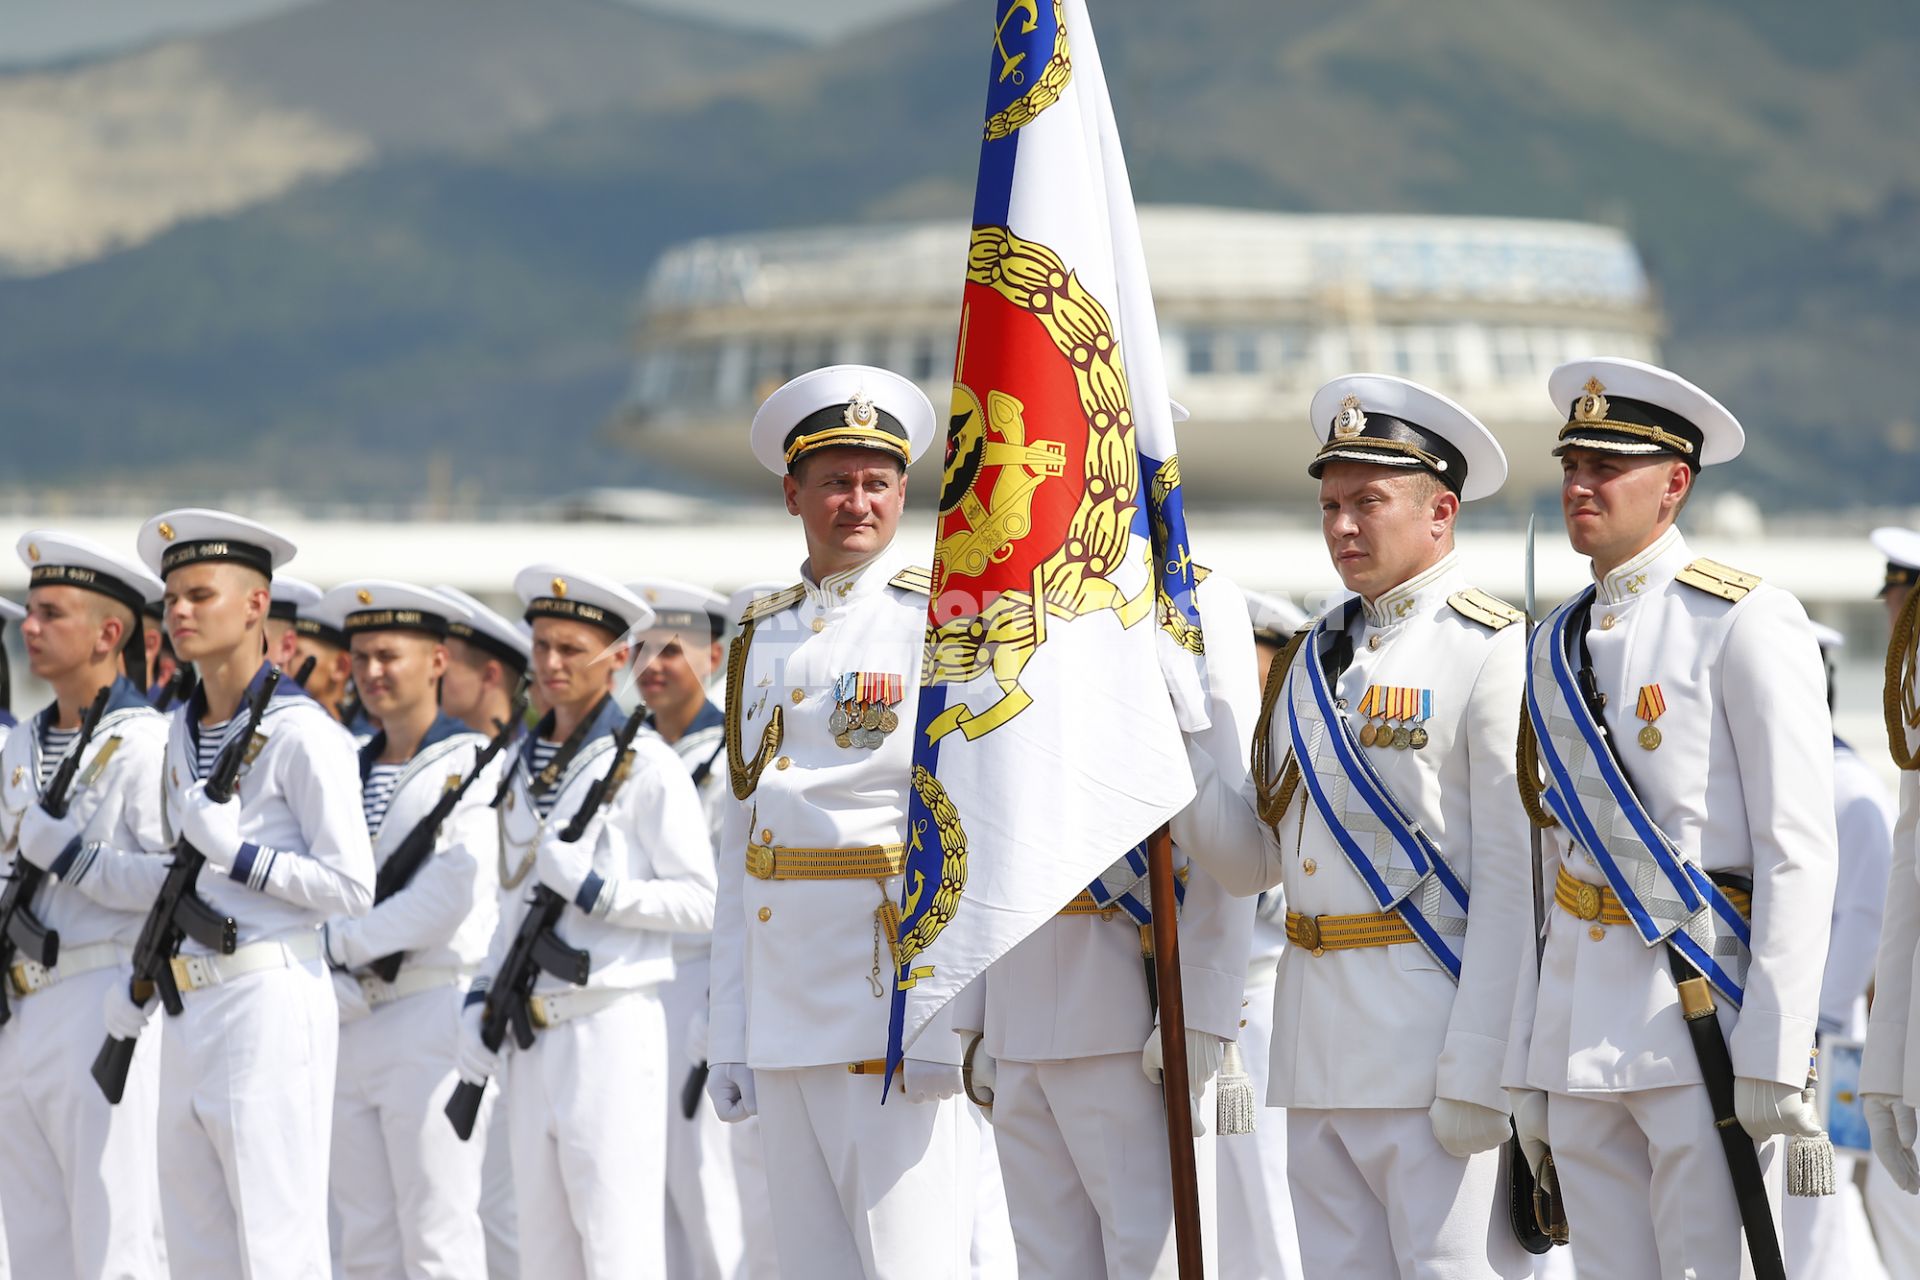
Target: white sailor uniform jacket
{"type": "Point", "coordinates": [444, 918]}
{"type": "Point", "coordinates": [651, 856]}
{"type": "Point", "coordinates": [797, 980]}
{"type": "Point", "coordinates": [1385, 1026]}
{"type": "Point", "coordinates": [1892, 1061]}
{"type": "Point", "coordinates": [1742, 783]}
{"type": "Point", "coordinates": [99, 889]}
{"type": "Point", "coordinates": [1863, 815]}
{"type": "Point", "coordinates": [1076, 987]}
{"type": "Point", "coordinates": [306, 856]}
{"type": "Point", "coordinates": [703, 750]}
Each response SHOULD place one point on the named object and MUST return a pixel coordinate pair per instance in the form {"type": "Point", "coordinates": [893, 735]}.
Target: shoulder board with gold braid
{"type": "Point", "coordinates": [1274, 792]}
{"type": "Point", "coordinates": [1489, 611]}
{"type": "Point", "coordinates": [1717, 579]}
{"type": "Point", "coordinates": [779, 600]}
{"type": "Point", "coordinates": [913, 578]}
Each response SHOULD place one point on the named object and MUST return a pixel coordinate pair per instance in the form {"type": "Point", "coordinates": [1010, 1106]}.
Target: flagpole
{"type": "Point", "coordinates": [1173, 1055]}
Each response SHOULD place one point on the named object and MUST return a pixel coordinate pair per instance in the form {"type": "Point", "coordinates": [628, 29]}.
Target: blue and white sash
{"type": "Point", "coordinates": [1400, 864]}
{"type": "Point", "coordinates": [1124, 885]}
{"type": "Point", "coordinates": [1666, 895]}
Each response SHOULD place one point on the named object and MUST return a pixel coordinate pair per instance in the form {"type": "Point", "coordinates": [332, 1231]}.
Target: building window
{"type": "Point", "coordinates": [1200, 351]}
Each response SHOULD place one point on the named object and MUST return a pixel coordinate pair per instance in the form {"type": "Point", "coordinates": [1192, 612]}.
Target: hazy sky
{"type": "Point", "coordinates": [38, 30]}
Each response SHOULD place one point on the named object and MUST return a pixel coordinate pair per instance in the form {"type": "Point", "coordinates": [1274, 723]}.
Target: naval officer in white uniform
{"type": "Point", "coordinates": [822, 684]}
{"type": "Point", "coordinates": [79, 1182]}
{"type": "Point", "coordinates": [1392, 1004]}
{"type": "Point", "coordinates": [1717, 826]}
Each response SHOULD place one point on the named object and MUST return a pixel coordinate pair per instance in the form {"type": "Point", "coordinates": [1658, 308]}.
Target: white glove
{"type": "Point", "coordinates": [43, 837]}
{"type": "Point", "coordinates": [1204, 1052]}
{"type": "Point", "coordinates": [1892, 1124]}
{"type": "Point", "coordinates": [1530, 1123]}
{"type": "Point", "coordinates": [475, 1062]}
{"type": "Point", "coordinates": [1767, 1107]}
{"type": "Point", "coordinates": [213, 829]}
{"type": "Point", "coordinates": [730, 1085]}
{"type": "Point", "coordinates": [563, 866]}
{"type": "Point", "coordinates": [1466, 1128]}
{"type": "Point", "coordinates": [923, 1081]}
{"type": "Point", "coordinates": [125, 1020]}
{"type": "Point", "coordinates": [340, 942]}
{"type": "Point", "coordinates": [697, 1037]}
{"type": "Point", "coordinates": [352, 1000]}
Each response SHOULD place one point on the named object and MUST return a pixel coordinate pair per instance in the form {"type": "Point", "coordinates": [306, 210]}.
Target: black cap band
{"type": "Point", "coordinates": [488, 643]}
{"type": "Point", "coordinates": [687, 620]}
{"type": "Point", "coordinates": [857, 425]}
{"type": "Point", "coordinates": [1899, 575]}
{"type": "Point", "coordinates": [1388, 441]}
{"type": "Point", "coordinates": [367, 620]}
{"type": "Point", "coordinates": [284, 610]}
{"type": "Point", "coordinates": [214, 549]}
{"type": "Point", "coordinates": [1619, 424]}
{"type": "Point", "coordinates": [105, 584]}
{"type": "Point", "coordinates": [315, 630]}
{"type": "Point", "coordinates": [578, 611]}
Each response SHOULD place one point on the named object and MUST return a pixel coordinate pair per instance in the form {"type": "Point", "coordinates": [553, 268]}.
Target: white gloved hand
{"type": "Point", "coordinates": [697, 1037]}
{"type": "Point", "coordinates": [1467, 1128]}
{"type": "Point", "coordinates": [1204, 1053]}
{"type": "Point", "coordinates": [340, 944]}
{"type": "Point", "coordinates": [1530, 1124]}
{"type": "Point", "coordinates": [1767, 1107]}
{"type": "Point", "coordinates": [563, 865]}
{"type": "Point", "coordinates": [730, 1085]}
{"type": "Point", "coordinates": [213, 829]}
{"type": "Point", "coordinates": [475, 1062]}
{"type": "Point", "coordinates": [125, 1020]}
{"type": "Point", "coordinates": [923, 1081]}
{"type": "Point", "coordinates": [43, 837]}
{"type": "Point", "coordinates": [352, 1000]}
{"type": "Point", "coordinates": [1893, 1127]}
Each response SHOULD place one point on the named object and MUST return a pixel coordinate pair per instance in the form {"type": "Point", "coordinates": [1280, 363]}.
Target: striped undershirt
{"type": "Point", "coordinates": [206, 746]}
{"type": "Point", "coordinates": [54, 745]}
{"type": "Point", "coordinates": [377, 792]}
{"type": "Point", "coordinates": [543, 798]}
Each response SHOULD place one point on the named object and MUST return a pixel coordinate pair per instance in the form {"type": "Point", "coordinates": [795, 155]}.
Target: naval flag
{"type": "Point", "coordinates": [1063, 652]}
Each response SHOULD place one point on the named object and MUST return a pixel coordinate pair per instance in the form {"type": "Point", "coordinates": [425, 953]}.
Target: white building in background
{"type": "Point", "coordinates": [1255, 310]}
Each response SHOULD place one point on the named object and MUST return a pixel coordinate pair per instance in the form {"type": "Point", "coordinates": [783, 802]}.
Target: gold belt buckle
{"type": "Point", "coordinates": [1310, 934]}
{"type": "Point", "coordinates": [25, 981]}
{"type": "Point", "coordinates": [537, 1012]}
{"type": "Point", "coordinates": [760, 861]}
{"type": "Point", "coordinates": [190, 973]}
{"type": "Point", "coordinates": [1587, 901]}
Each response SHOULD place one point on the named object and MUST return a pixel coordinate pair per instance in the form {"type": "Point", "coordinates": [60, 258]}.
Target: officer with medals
{"type": "Point", "coordinates": [1383, 805]}
{"type": "Point", "coordinates": [246, 1076]}
{"type": "Point", "coordinates": [1258, 1240]}
{"type": "Point", "coordinates": [586, 1104]}
{"type": "Point", "coordinates": [406, 1191]}
{"type": "Point", "coordinates": [78, 1178]}
{"type": "Point", "coordinates": [1677, 711]}
{"type": "Point", "coordinates": [821, 688]}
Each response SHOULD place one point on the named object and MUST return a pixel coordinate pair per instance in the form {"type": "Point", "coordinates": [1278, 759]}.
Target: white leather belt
{"type": "Point", "coordinates": [196, 973]}
{"type": "Point", "coordinates": [556, 1007]}
{"type": "Point", "coordinates": [411, 982]}
{"type": "Point", "coordinates": [30, 976]}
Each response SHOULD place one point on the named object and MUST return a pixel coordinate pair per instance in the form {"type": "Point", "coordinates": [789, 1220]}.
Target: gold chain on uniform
{"type": "Point", "coordinates": [1527, 773]}
{"type": "Point", "coordinates": [744, 774]}
{"type": "Point", "coordinates": [1901, 705]}
{"type": "Point", "coordinates": [1275, 793]}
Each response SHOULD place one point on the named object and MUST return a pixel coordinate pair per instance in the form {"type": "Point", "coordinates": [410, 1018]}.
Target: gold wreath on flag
{"type": "Point", "coordinates": [953, 876]}
{"type": "Point", "coordinates": [1053, 77]}
{"type": "Point", "coordinates": [1073, 581]}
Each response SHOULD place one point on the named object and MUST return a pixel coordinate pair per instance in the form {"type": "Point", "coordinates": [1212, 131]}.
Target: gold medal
{"type": "Point", "coordinates": [1417, 739]}
{"type": "Point", "coordinates": [889, 721]}
{"type": "Point", "coordinates": [1367, 734]}
{"type": "Point", "coordinates": [843, 739]}
{"type": "Point", "coordinates": [1401, 737]}
{"type": "Point", "coordinates": [870, 717]}
{"type": "Point", "coordinates": [1649, 737]}
{"type": "Point", "coordinates": [1653, 705]}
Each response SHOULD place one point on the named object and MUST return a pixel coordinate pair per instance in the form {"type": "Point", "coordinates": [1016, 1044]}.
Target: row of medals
{"type": "Point", "coordinates": [862, 724]}
{"type": "Point", "coordinates": [1397, 737]}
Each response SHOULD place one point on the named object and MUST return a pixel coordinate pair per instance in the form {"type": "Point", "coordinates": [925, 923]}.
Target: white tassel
{"type": "Point", "coordinates": [1236, 1109]}
{"type": "Point", "coordinates": [1810, 1166]}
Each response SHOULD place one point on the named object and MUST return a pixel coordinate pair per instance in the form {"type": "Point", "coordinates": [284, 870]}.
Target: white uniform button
{"type": "Point", "coordinates": [766, 914]}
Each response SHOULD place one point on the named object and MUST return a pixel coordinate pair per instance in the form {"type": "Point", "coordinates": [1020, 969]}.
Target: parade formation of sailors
{"type": "Point", "coordinates": [560, 940]}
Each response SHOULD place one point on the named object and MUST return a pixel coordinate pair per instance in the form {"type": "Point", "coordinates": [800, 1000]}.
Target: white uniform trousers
{"type": "Point", "coordinates": [1375, 1194]}
{"type": "Point", "coordinates": [1646, 1187]}
{"type": "Point", "coordinates": [705, 1235]}
{"type": "Point", "coordinates": [79, 1179]}
{"type": "Point", "coordinates": [246, 1108]}
{"type": "Point", "coordinates": [862, 1189]}
{"type": "Point", "coordinates": [406, 1189]}
{"type": "Point", "coordinates": [1257, 1238]}
{"type": "Point", "coordinates": [499, 1216]}
{"type": "Point", "coordinates": [1827, 1237]}
{"type": "Point", "coordinates": [1083, 1154]}
{"type": "Point", "coordinates": [589, 1144]}
{"type": "Point", "coordinates": [992, 1254]}
{"type": "Point", "coordinates": [759, 1260]}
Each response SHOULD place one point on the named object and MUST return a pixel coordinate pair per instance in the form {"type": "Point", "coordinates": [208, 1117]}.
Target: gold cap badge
{"type": "Point", "coordinates": [33, 552]}
{"type": "Point", "coordinates": [1351, 420]}
{"type": "Point", "coordinates": [1591, 407]}
{"type": "Point", "coordinates": [560, 587]}
{"type": "Point", "coordinates": [166, 531]}
{"type": "Point", "coordinates": [364, 596]}
{"type": "Point", "coordinates": [860, 411]}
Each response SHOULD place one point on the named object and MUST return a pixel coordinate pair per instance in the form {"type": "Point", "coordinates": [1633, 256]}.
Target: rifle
{"type": "Point", "coordinates": [306, 671]}
{"type": "Point", "coordinates": [397, 872]}
{"type": "Point", "coordinates": [20, 929]}
{"type": "Point", "coordinates": [177, 689]}
{"type": "Point", "coordinates": [178, 913]}
{"type": "Point", "coordinates": [536, 949]}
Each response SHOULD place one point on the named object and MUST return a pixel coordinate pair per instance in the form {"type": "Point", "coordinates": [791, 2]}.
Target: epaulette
{"type": "Point", "coordinates": [1489, 611]}
{"type": "Point", "coordinates": [766, 606]}
{"type": "Point", "coordinates": [913, 578]}
{"type": "Point", "coordinates": [1717, 579]}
